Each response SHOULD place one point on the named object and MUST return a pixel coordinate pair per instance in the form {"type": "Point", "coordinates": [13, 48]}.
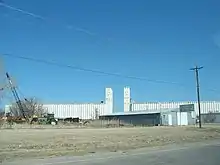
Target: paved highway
{"type": "Point", "coordinates": [193, 154]}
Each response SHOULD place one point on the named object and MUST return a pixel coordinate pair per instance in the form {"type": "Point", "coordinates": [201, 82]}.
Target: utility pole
{"type": "Point", "coordinates": [196, 69]}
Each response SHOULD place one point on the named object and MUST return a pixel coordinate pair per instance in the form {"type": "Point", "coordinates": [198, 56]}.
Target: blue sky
{"type": "Point", "coordinates": [156, 39]}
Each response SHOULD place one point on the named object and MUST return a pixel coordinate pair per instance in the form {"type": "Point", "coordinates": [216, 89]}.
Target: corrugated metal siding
{"type": "Point", "coordinates": [169, 118]}
{"type": "Point", "coordinates": [206, 106]}
{"type": "Point", "coordinates": [83, 111]}
{"type": "Point", "coordinates": [142, 119]}
{"type": "Point", "coordinates": [210, 118]}
{"type": "Point", "coordinates": [165, 119]}
{"type": "Point", "coordinates": [174, 118]}
{"type": "Point", "coordinates": [182, 118]}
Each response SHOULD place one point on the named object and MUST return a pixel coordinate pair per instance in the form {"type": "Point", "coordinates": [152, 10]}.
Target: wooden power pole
{"type": "Point", "coordinates": [196, 69]}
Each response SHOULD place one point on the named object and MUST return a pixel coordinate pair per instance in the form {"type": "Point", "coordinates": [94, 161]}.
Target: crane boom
{"type": "Point", "coordinates": [16, 96]}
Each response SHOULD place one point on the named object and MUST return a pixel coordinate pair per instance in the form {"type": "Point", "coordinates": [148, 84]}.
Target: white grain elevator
{"type": "Point", "coordinates": [109, 99]}
{"type": "Point", "coordinates": [127, 99]}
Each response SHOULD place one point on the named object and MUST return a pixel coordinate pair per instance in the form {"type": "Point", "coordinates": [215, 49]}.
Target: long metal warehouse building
{"type": "Point", "coordinates": [206, 106]}
{"type": "Point", "coordinates": [82, 111]}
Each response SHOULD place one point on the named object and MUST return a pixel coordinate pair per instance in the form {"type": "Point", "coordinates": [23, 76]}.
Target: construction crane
{"type": "Point", "coordinates": [45, 119]}
{"type": "Point", "coordinates": [16, 97]}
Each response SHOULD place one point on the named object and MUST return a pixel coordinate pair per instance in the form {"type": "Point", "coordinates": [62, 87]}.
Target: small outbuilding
{"type": "Point", "coordinates": [176, 118]}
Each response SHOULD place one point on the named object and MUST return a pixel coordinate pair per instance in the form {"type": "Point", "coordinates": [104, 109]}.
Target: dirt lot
{"type": "Point", "coordinates": [29, 143]}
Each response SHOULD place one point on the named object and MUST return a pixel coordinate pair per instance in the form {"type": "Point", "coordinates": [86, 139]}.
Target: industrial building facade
{"type": "Point", "coordinates": [129, 106]}
{"type": "Point", "coordinates": [81, 111]}
{"type": "Point", "coordinates": [91, 110]}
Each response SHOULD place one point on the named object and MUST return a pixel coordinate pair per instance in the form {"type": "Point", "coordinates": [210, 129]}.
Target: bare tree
{"type": "Point", "coordinates": [34, 107]}
{"type": "Point", "coordinates": [30, 106]}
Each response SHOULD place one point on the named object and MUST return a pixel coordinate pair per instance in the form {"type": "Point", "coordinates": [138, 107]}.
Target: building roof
{"type": "Point", "coordinates": [142, 112]}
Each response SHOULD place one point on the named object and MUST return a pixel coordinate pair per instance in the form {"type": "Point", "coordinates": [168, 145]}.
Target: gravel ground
{"type": "Point", "coordinates": [42, 143]}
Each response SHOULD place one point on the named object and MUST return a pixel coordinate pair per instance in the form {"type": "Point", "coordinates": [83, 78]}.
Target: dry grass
{"type": "Point", "coordinates": [29, 143]}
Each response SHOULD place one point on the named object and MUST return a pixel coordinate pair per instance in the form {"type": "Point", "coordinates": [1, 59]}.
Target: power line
{"type": "Point", "coordinates": [21, 11]}
{"type": "Point", "coordinates": [73, 67]}
{"type": "Point", "coordinates": [212, 90]}
{"type": "Point", "coordinates": [54, 63]}
{"type": "Point", "coordinates": [37, 16]}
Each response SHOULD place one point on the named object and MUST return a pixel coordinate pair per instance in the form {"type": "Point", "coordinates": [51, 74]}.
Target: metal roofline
{"type": "Point", "coordinates": [142, 112]}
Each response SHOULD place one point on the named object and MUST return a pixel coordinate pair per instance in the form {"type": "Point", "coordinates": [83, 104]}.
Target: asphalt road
{"type": "Point", "coordinates": [193, 154]}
